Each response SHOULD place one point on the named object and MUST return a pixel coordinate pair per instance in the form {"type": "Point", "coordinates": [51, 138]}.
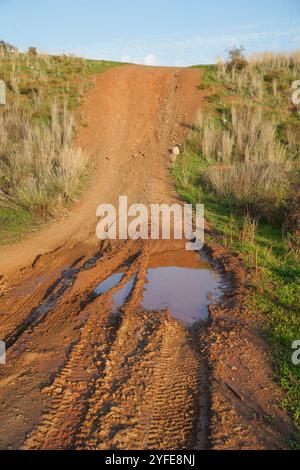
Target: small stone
{"type": "Point", "coordinates": [176, 150]}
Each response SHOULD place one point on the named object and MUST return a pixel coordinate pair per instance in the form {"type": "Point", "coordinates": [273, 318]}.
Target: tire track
{"type": "Point", "coordinates": [75, 383]}
{"type": "Point", "coordinates": [172, 402]}
{"type": "Point", "coordinates": [131, 381]}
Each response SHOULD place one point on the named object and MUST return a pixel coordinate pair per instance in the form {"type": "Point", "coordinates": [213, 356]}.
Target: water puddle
{"type": "Point", "coordinates": [109, 283]}
{"type": "Point", "coordinates": [121, 295]}
{"type": "Point", "coordinates": [183, 283]}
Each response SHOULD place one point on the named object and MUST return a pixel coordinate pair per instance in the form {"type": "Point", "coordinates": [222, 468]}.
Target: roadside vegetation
{"type": "Point", "coordinates": [242, 159]}
{"type": "Point", "coordinates": [41, 170]}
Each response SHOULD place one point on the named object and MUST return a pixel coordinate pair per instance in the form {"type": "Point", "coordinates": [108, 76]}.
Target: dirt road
{"type": "Point", "coordinates": [132, 116]}
{"type": "Point", "coordinates": [83, 375]}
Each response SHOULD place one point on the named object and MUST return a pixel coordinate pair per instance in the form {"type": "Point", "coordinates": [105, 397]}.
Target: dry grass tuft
{"type": "Point", "coordinates": [247, 166]}
{"type": "Point", "coordinates": [40, 169]}
{"type": "Point", "coordinates": [249, 229]}
{"type": "Point", "coordinates": [260, 74]}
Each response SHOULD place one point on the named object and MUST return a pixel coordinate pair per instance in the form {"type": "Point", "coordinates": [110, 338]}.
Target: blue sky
{"type": "Point", "coordinates": [155, 32]}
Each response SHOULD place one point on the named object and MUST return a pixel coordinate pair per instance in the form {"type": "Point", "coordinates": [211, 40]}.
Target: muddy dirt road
{"type": "Point", "coordinates": [89, 371]}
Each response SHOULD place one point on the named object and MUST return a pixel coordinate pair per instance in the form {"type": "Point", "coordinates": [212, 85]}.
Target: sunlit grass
{"type": "Point", "coordinates": [263, 245]}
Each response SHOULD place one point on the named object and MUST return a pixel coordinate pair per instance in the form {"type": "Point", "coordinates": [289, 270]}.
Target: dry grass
{"type": "Point", "coordinates": [39, 78]}
{"type": "Point", "coordinates": [247, 166]}
{"type": "Point", "coordinates": [40, 169]}
{"type": "Point", "coordinates": [249, 229]}
{"type": "Point", "coordinates": [273, 61]}
{"type": "Point", "coordinates": [255, 155]}
{"type": "Point", "coordinates": [210, 138]}
{"type": "Point", "coordinates": [261, 74]}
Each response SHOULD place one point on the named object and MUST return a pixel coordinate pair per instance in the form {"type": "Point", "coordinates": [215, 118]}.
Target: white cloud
{"type": "Point", "coordinates": [150, 59]}
{"type": "Point", "coordinates": [125, 58]}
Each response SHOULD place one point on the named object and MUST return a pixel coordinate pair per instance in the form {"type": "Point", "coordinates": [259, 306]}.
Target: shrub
{"type": "Point", "coordinates": [32, 51]}
{"type": "Point", "coordinates": [236, 59]}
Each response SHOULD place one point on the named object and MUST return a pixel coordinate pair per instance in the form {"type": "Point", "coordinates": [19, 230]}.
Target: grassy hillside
{"type": "Point", "coordinates": [242, 161]}
{"type": "Point", "coordinates": [41, 172]}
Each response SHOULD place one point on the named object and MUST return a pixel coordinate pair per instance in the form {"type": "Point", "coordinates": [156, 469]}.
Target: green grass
{"type": "Point", "coordinates": [60, 77]}
{"type": "Point", "coordinates": [208, 75]}
{"type": "Point", "coordinates": [15, 224]}
{"type": "Point", "coordinates": [100, 66]}
{"type": "Point", "coordinates": [275, 290]}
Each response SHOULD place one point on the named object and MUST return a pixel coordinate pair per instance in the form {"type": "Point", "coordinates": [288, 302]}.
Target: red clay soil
{"type": "Point", "coordinates": [80, 375]}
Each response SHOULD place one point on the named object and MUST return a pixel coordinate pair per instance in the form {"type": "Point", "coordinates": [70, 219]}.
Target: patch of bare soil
{"type": "Point", "coordinates": [82, 374]}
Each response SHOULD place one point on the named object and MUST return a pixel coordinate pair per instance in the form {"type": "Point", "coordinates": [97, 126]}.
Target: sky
{"type": "Point", "coordinates": [151, 32]}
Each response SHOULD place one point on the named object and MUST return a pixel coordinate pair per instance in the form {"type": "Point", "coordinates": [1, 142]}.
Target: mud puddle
{"type": "Point", "coordinates": [109, 284]}
{"type": "Point", "coordinates": [52, 296]}
{"type": "Point", "coordinates": [121, 295]}
{"type": "Point", "coordinates": [183, 283]}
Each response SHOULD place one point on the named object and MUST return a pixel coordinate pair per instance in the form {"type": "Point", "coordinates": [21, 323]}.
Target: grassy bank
{"type": "Point", "coordinates": [41, 171]}
{"type": "Point", "coordinates": [242, 161]}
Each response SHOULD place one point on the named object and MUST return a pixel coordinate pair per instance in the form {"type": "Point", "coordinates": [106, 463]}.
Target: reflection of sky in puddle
{"type": "Point", "coordinates": [177, 280]}
{"type": "Point", "coordinates": [185, 291]}
{"type": "Point", "coordinates": [121, 295]}
{"type": "Point", "coordinates": [109, 283]}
